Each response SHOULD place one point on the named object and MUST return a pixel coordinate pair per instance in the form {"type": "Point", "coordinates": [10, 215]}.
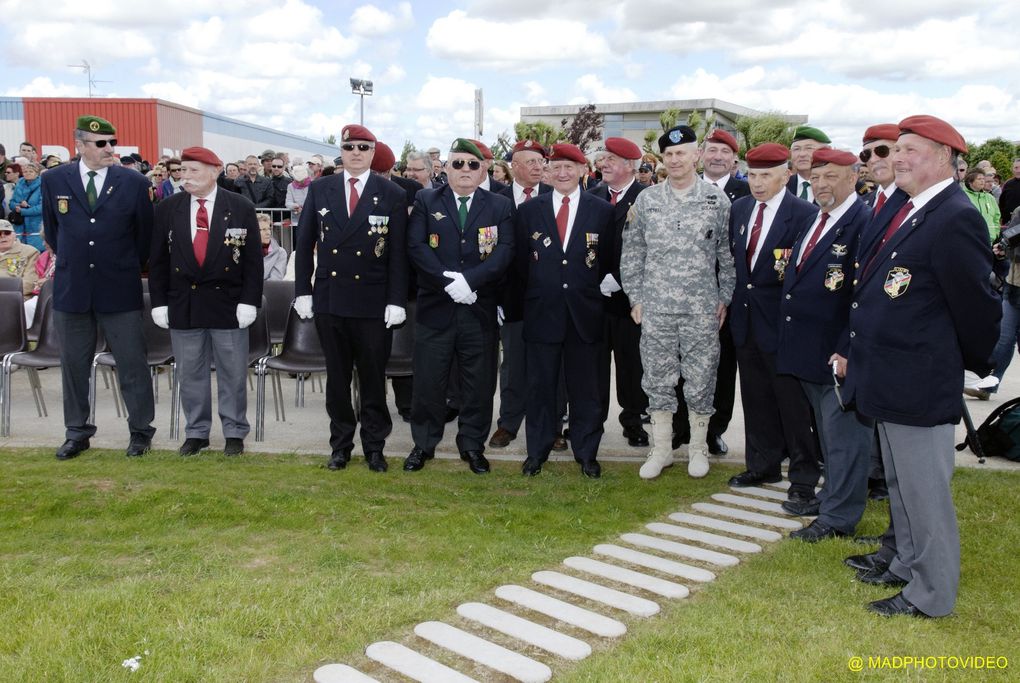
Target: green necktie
{"type": "Point", "coordinates": [463, 211]}
{"type": "Point", "coordinates": [803, 190]}
{"type": "Point", "coordinates": [90, 190]}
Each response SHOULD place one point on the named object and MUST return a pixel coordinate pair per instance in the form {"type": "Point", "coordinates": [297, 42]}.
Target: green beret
{"type": "Point", "coordinates": [94, 124]}
{"type": "Point", "coordinates": [810, 133]}
{"type": "Point", "coordinates": [467, 147]}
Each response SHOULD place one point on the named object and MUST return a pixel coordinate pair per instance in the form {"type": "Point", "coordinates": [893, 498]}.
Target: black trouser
{"type": "Point", "coordinates": [725, 391]}
{"type": "Point", "coordinates": [621, 338]}
{"type": "Point", "coordinates": [362, 343]}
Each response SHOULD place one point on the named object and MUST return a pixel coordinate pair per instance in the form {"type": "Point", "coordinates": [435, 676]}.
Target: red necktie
{"type": "Point", "coordinates": [201, 241]}
{"type": "Point", "coordinates": [814, 240]}
{"type": "Point", "coordinates": [561, 221]}
{"type": "Point", "coordinates": [752, 240]}
{"type": "Point", "coordinates": [880, 203]}
{"type": "Point", "coordinates": [527, 193]}
{"type": "Point", "coordinates": [352, 196]}
{"type": "Point", "coordinates": [613, 196]}
{"type": "Point", "coordinates": [894, 225]}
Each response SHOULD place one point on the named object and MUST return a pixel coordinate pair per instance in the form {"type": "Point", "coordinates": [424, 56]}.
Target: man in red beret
{"type": "Point", "coordinates": [922, 312]}
{"type": "Point", "coordinates": [813, 314]}
{"type": "Point", "coordinates": [564, 252]}
{"type": "Point", "coordinates": [777, 417]}
{"type": "Point", "coordinates": [622, 335]}
{"type": "Point", "coordinates": [205, 281]}
{"type": "Point", "coordinates": [719, 159]}
{"type": "Point", "coordinates": [356, 221]}
{"type": "Point", "coordinates": [876, 153]}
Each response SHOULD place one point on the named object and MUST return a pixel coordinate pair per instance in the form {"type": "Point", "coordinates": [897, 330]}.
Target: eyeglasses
{"type": "Point", "coordinates": [312, 163]}
{"type": "Point", "coordinates": [473, 164]}
{"type": "Point", "coordinates": [176, 169]}
{"type": "Point", "coordinates": [275, 166]}
{"type": "Point", "coordinates": [112, 142]}
{"type": "Point", "coordinates": [881, 151]}
{"type": "Point", "coordinates": [362, 146]}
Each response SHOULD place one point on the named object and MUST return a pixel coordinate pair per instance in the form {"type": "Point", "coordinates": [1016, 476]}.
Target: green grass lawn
{"type": "Point", "coordinates": [262, 568]}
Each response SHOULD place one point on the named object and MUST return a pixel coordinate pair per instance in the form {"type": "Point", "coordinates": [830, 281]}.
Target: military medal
{"type": "Point", "coordinates": [897, 281]}
{"type": "Point", "coordinates": [62, 204]}
{"type": "Point", "coordinates": [536, 235]}
{"type": "Point", "coordinates": [438, 216]}
{"type": "Point", "coordinates": [380, 247]}
{"type": "Point", "coordinates": [834, 277]}
{"type": "Point", "coordinates": [742, 229]}
{"type": "Point", "coordinates": [434, 241]}
{"type": "Point", "coordinates": [487, 240]}
{"type": "Point", "coordinates": [839, 249]}
{"type": "Point", "coordinates": [591, 240]}
{"type": "Point", "coordinates": [237, 255]}
{"type": "Point", "coordinates": [782, 258]}
{"type": "Point", "coordinates": [546, 242]}
{"type": "Point", "coordinates": [323, 211]}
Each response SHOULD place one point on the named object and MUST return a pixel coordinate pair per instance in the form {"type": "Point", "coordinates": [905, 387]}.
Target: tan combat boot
{"type": "Point", "coordinates": [697, 451]}
{"type": "Point", "coordinates": [661, 455]}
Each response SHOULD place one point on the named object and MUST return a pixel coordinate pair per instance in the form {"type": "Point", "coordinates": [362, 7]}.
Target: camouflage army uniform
{"type": "Point", "coordinates": [670, 248]}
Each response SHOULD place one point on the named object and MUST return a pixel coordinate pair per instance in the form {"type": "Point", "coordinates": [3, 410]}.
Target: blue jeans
{"type": "Point", "coordinates": [1009, 332]}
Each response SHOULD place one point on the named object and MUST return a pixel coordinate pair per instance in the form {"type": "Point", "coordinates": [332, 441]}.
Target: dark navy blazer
{"type": "Point", "coordinates": [511, 289]}
{"type": "Point", "coordinates": [754, 311]}
{"type": "Point", "coordinates": [618, 304]}
{"type": "Point", "coordinates": [922, 312]}
{"type": "Point", "coordinates": [482, 253]}
{"type": "Point", "coordinates": [100, 252]}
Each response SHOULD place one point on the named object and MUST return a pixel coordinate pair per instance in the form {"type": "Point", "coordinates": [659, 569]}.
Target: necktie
{"type": "Point", "coordinates": [880, 203]}
{"type": "Point", "coordinates": [561, 221]}
{"type": "Point", "coordinates": [613, 196]}
{"type": "Point", "coordinates": [462, 211]}
{"type": "Point", "coordinates": [752, 240]}
{"type": "Point", "coordinates": [352, 196]}
{"type": "Point", "coordinates": [90, 190]}
{"type": "Point", "coordinates": [814, 240]}
{"type": "Point", "coordinates": [894, 225]}
{"type": "Point", "coordinates": [527, 193]}
{"type": "Point", "coordinates": [201, 241]}
{"type": "Point", "coordinates": [803, 190]}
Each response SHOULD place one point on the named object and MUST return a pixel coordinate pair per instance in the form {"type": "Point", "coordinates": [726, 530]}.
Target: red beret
{"type": "Point", "coordinates": [202, 155]}
{"type": "Point", "coordinates": [623, 148]}
{"type": "Point", "coordinates": [486, 152]}
{"type": "Point", "coordinates": [353, 131]}
{"type": "Point", "coordinates": [529, 146]}
{"type": "Point", "coordinates": [767, 155]}
{"type": "Point", "coordinates": [564, 151]}
{"type": "Point", "coordinates": [826, 155]}
{"type": "Point", "coordinates": [934, 129]}
{"type": "Point", "coordinates": [383, 161]}
{"type": "Point", "coordinates": [719, 135]}
{"type": "Point", "coordinates": [881, 131]}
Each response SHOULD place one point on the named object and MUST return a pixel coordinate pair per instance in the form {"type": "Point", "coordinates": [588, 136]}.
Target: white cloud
{"type": "Point", "coordinates": [41, 86]}
{"type": "Point", "coordinates": [590, 88]}
{"type": "Point", "coordinates": [534, 91]}
{"type": "Point", "coordinates": [447, 94]}
{"type": "Point", "coordinates": [369, 20]}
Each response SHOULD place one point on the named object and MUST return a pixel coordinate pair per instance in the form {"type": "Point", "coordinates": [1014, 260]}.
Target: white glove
{"type": "Point", "coordinates": [472, 297]}
{"type": "Point", "coordinates": [394, 315]}
{"type": "Point", "coordinates": [246, 315]}
{"type": "Point", "coordinates": [500, 315]}
{"type": "Point", "coordinates": [459, 290]}
{"type": "Point", "coordinates": [609, 285]}
{"type": "Point", "coordinates": [303, 306]}
{"type": "Point", "coordinates": [161, 316]}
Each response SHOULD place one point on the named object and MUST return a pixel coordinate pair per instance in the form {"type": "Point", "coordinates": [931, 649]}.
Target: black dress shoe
{"type": "Point", "coordinates": [338, 460]}
{"type": "Point", "coordinates": [530, 468]}
{"type": "Point", "coordinates": [592, 469]}
{"type": "Point", "coordinates": [816, 531]}
{"type": "Point", "coordinates": [192, 446]}
{"type": "Point", "coordinates": [801, 504]}
{"type": "Point", "coordinates": [138, 446]}
{"type": "Point", "coordinates": [559, 443]}
{"type": "Point", "coordinates": [716, 446]}
{"type": "Point", "coordinates": [881, 578]}
{"type": "Point", "coordinates": [376, 461]}
{"type": "Point", "coordinates": [871, 563]}
{"type": "Point", "coordinates": [636, 437]}
{"type": "Point", "coordinates": [234, 446]}
{"type": "Point", "coordinates": [71, 449]}
{"type": "Point", "coordinates": [415, 460]}
{"type": "Point", "coordinates": [895, 606]}
{"type": "Point", "coordinates": [877, 489]}
{"type": "Point", "coordinates": [476, 461]}
{"type": "Point", "coordinates": [753, 479]}
{"type": "Point", "coordinates": [451, 414]}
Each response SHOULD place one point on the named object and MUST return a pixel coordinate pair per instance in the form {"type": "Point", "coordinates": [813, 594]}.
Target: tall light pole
{"type": "Point", "coordinates": [360, 86]}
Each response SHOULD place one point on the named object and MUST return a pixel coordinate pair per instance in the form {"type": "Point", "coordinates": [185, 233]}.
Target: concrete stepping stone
{"type": "Point", "coordinates": [608, 596]}
{"type": "Point", "coordinates": [340, 673]}
{"type": "Point", "coordinates": [653, 584]}
{"type": "Point", "coordinates": [593, 622]}
{"type": "Point", "coordinates": [747, 516]}
{"type": "Point", "coordinates": [682, 549]}
{"type": "Point", "coordinates": [726, 542]}
{"type": "Point", "coordinates": [752, 503]}
{"type": "Point", "coordinates": [412, 664]}
{"type": "Point", "coordinates": [486, 653]}
{"type": "Point", "coordinates": [655, 562]}
{"type": "Point", "coordinates": [759, 491]}
{"type": "Point", "coordinates": [784, 485]}
{"type": "Point", "coordinates": [729, 527]}
{"type": "Point", "coordinates": [559, 644]}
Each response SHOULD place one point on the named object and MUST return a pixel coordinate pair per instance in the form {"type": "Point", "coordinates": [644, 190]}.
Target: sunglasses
{"type": "Point", "coordinates": [112, 142]}
{"type": "Point", "coordinates": [881, 151]}
{"type": "Point", "coordinates": [275, 166]}
{"type": "Point", "coordinates": [350, 146]}
{"type": "Point", "coordinates": [473, 164]}
{"type": "Point", "coordinates": [175, 170]}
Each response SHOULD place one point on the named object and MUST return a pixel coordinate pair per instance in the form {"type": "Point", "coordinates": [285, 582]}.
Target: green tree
{"type": "Point", "coordinates": [651, 136]}
{"type": "Point", "coordinates": [330, 139]}
{"type": "Point", "coordinates": [502, 147]}
{"type": "Point", "coordinates": [668, 119]}
{"type": "Point", "coordinates": [999, 151]}
{"type": "Point", "coordinates": [408, 148]}
{"type": "Point", "coordinates": [768, 127]}
{"type": "Point", "coordinates": [540, 132]}
{"type": "Point", "coordinates": [584, 128]}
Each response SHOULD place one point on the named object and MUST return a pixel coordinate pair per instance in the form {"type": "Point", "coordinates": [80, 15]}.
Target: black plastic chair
{"type": "Point", "coordinates": [300, 354]}
{"type": "Point", "coordinates": [14, 284]}
{"type": "Point", "coordinates": [279, 295]}
{"type": "Point", "coordinates": [13, 339]}
{"type": "Point", "coordinates": [45, 296]}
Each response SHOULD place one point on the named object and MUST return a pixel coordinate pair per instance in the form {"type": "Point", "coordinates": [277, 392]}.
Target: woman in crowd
{"type": "Point", "coordinates": [974, 186]}
{"type": "Point", "coordinates": [501, 172]}
{"type": "Point", "coordinates": [26, 202]}
{"type": "Point", "coordinates": [274, 257]}
{"type": "Point", "coordinates": [12, 174]}
{"type": "Point", "coordinates": [297, 191]}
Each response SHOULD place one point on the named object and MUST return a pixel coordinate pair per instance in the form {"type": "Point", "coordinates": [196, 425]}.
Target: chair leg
{"type": "Point", "coordinates": [92, 391]}
{"type": "Point", "coordinates": [278, 383]}
{"type": "Point", "coordinates": [175, 402]}
{"type": "Point", "coordinates": [154, 380]}
{"type": "Point", "coordinates": [117, 398]}
{"type": "Point", "coordinates": [37, 393]}
{"type": "Point", "coordinates": [5, 396]}
{"type": "Point", "coordinates": [260, 399]}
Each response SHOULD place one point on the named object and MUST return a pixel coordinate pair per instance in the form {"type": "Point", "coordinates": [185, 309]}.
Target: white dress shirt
{"type": "Point", "coordinates": [359, 186]}
{"type": "Point", "coordinates": [557, 201]}
{"type": "Point", "coordinates": [99, 180]}
{"type": "Point", "coordinates": [771, 208]}
{"type": "Point", "coordinates": [210, 201]}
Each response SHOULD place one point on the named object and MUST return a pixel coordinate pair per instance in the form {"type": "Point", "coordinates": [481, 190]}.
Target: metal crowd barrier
{"type": "Point", "coordinates": [284, 225]}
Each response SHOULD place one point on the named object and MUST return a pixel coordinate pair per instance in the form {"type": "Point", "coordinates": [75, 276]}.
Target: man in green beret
{"type": "Point", "coordinates": [806, 139]}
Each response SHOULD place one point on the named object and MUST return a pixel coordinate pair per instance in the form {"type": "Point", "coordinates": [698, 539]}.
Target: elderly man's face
{"type": "Point", "coordinates": [832, 184]}
{"type": "Point", "coordinates": [252, 165]}
{"type": "Point", "coordinates": [800, 155]}
{"type": "Point", "coordinates": [96, 157]}
{"type": "Point", "coordinates": [465, 179]}
{"type": "Point", "coordinates": [879, 161]}
{"type": "Point", "coordinates": [7, 240]}
{"type": "Point", "coordinates": [718, 160]}
{"type": "Point", "coordinates": [616, 170]}
{"type": "Point", "coordinates": [527, 168]}
{"type": "Point", "coordinates": [680, 162]}
{"type": "Point", "coordinates": [197, 178]}
{"type": "Point", "coordinates": [357, 156]}
{"type": "Point", "coordinates": [766, 183]}
{"type": "Point", "coordinates": [565, 175]}
{"type": "Point", "coordinates": [919, 163]}
{"type": "Point", "coordinates": [418, 170]}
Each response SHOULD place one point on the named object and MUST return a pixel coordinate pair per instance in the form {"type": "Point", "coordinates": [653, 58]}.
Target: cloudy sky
{"type": "Point", "coordinates": [287, 63]}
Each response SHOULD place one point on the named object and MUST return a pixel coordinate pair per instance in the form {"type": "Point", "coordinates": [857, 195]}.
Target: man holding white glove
{"type": "Point", "coordinates": [205, 282]}
{"type": "Point", "coordinates": [357, 221]}
{"type": "Point", "coordinates": [460, 240]}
